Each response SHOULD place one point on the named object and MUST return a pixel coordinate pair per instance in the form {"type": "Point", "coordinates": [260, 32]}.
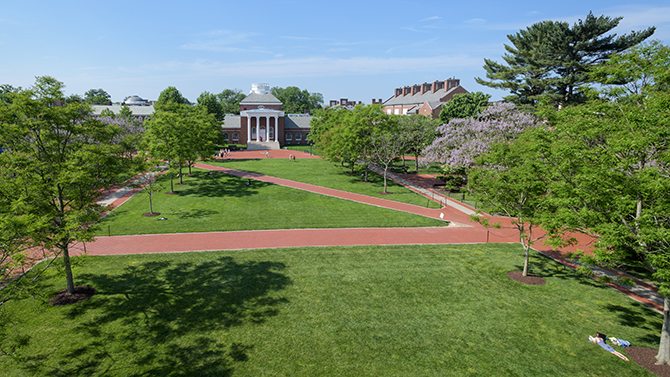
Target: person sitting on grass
{"type": "Point", "coordinates": [600, 339]}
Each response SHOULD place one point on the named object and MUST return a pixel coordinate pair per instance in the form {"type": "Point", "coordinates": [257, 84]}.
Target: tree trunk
{"type": "Point", "coordinates": [385, 170]}
{"type": "Point", "coordinates": [366, 172]}
{"type": "Point", "coordinates": [663, 356]}
{"type": "Point", "coordinates": [68, 269]}
{"type": "Point", "coordinates": [171, 182]}
{"type": "Point", "coordinates": [151, 207]}
{"type": "Point", "coordinates": [416, 162]}
{"type": "Point", "coordinates": [526, 249]}
{"type": "Point", "coordinates": [181, 175]}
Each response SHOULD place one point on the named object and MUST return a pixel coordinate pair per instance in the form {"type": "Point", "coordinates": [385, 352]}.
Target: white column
{"type": "Point", "coordinates": [258, 128]}
{"type": "Point", "coordinates": [248, 129]}
{"type": "Point", "coordinates": [276, 127]}
{"type": "Point", "coordinates": [267, 128]}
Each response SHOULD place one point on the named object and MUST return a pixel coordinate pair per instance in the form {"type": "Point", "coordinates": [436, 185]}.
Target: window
{"type": "Point", "coordinates": [389, 111]}
{"type": "Point", "coordinates": [298, 137]}
{"type": "Point", "coordinates": [307, 137]}
{"type": "Point", "coordinates": [253, 132]}
{"type": "Point", "coordinates": [272, 132]}
{"type": "Point", "coordinates": [288, 137]}
{"type": "Point", "coordinates": [225, 138]}
{"type": "Point", "coordinates": [236, 138]}
{"type": "Point", "coordinates": [396, 111]}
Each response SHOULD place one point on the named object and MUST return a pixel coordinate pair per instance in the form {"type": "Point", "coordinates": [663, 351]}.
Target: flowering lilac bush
{"type": "Point", "coordinates": [462, 140]}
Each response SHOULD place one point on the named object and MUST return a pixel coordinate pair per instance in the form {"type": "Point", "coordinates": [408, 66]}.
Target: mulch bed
{"type": "Point", "coordinates": [151, 214]}
{"type": "Point", "coordinates": [172, 192]}
{"type": "Point", "coordinates": [81, 293]}
{"type": "Point", "coordinates": [529, 279]}
{"type": "Point", "coordinates": [646, 358]}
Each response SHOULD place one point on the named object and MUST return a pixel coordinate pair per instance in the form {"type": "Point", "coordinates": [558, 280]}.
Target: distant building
{"type": "Point", "coordinates": [426, 98]}
{"type": "Point", "coordinates": [344, 102]}
{"type": "Point", "coordinates": [140, 108]}
{"type": "Point", "coordinates": [263, 125]}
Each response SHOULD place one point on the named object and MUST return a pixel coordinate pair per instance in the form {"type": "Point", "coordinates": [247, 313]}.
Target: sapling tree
{"type": "Point", "coordinates": [510, 180]}
{"type": "Point", "coordinates": [386, 146]}
{"type": "Point", "coordinates": [418, 131]}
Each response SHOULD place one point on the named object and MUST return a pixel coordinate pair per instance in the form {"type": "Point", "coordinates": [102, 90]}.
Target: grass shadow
{"type": "Point", "coordinates": [543, 266]}
{"type": "Point", "coordinates": [220, 184]}
{"type": "Point", "coordinates": [161, 315]}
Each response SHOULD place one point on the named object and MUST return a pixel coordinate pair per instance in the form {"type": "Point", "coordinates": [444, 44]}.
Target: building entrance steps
{"type": "Point", "coordinates": [263, 145]}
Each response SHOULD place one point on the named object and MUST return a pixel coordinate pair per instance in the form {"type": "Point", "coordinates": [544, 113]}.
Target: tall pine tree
{"type": "Point", "coordinates": [551, 58]}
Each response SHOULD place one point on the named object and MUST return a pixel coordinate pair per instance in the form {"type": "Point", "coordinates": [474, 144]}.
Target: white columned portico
{"type": "Point", "coordinates": [257, 114]}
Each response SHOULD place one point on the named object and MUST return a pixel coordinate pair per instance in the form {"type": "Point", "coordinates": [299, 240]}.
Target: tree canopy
{"type": "Point", "coordinates": [56, 160]}
{"type": "Point", "coordinates": [462, 106]}
{"type": "Point", "coordinates": [170, 96]}
{"type": "Point", "coordinates": [230, 100]}
{"type": "Point", "coordinates": [462, 140]}
{"type": "Point", "coordinates": [551, 58]}
{"type": "Point", "coordinates": [296, 101]}
{"type": "Point", "coordinates": [211, 103]}
{"type": "Point", "coordinates": [97, 97]}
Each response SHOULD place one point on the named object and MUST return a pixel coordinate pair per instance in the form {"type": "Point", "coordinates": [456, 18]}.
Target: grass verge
{"type": "Point", "coordinates": [220, 202]}
{"type": "Point", "coordinates": [333, 311]}
{"type": "Point", "coordinates": [324, 173]}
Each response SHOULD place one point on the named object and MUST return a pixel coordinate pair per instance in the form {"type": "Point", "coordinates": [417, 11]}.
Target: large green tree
{"type": "Point", "coordinates": [296, 101]}
{"type": "Point", "coordinates": [169, 97]}
{"type": "Point", "coordinates": [97, 97]}
{"type": "Point", "coordinates": [462, 106]}
{"type": "Point", "coordinates": [230, 100]}
{"type": "Point", "coordinates": [210, 102]}
{"type": "Point", "coordinates": [59, 158]}
{"type": "Point", "coordinates": [611, 159]}
{"type": "Point", "coordinates": [552, 58]}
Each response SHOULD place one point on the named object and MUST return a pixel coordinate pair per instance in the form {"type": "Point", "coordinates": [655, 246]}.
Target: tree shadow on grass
{"type": "Point", "coordinates": [546, 267]}
{"type": "Point", "coordinates": [162, 318]}
{"type": "Point", "coordinates": [219, 185]}
{"type": "Point", "coordinates": [638, 316]}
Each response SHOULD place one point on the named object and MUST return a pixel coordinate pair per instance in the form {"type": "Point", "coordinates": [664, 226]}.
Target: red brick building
{"type": "Point", "coordinates": [263, 125]}
{"type": "Point", "coordinates": [426, 98]}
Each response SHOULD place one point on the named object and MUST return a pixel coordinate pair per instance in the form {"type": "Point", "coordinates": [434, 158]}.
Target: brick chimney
{"type": "Point", "coordinates": [398, 92]}
{"type": "Point", "coordinates": [451, 83]}
{"type": "Point", "coordinates": [435, 86]}
{"type": "Point", "coordinates": [425, 87]}
{"type": "Point", "coordinates": [416, 89]}
{"type": "Point", "coordinates": [406, 90]}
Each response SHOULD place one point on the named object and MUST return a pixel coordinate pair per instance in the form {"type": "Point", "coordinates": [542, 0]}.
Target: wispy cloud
{"type": "Point", "coordinates": [319, 66]}
{"type": "Point", "coordinates": [410, 28]}
{"type": "Point", "coordinates": [430, 19]}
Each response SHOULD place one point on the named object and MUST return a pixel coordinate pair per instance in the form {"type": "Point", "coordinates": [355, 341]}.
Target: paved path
{"type": "Point", "coordinates": [461, 230]}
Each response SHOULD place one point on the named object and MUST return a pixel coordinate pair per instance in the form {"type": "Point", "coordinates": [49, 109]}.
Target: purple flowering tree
{"type": "Point", "coordinates": [463, 140]}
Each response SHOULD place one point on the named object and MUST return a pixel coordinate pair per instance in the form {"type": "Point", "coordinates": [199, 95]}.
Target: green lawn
{"type": "Point", "coordinates": [220, 202]}
{"type": "Point", "coordinates": [324, 173]}
{"type": "Point", "coordinates": [441, 310]}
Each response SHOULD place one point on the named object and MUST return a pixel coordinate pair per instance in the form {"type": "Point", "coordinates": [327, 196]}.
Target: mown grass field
{"type": "Point", "coordinates": [324, 173]}
{"type": "Point", "coordinates": [440, 310]}
{"type": "Point", "coordinates": [220, 202]}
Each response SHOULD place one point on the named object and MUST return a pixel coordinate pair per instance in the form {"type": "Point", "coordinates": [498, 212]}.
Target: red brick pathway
{"type": "Point", "coordinates": [463, 230]}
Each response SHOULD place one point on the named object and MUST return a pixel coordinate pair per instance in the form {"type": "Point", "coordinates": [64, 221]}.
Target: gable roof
{"type": "Point", "coordinates": [419, 99]}
{"type": "Point", "coordinates": [260, 98]}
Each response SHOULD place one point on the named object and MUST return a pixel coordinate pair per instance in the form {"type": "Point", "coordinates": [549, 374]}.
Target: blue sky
{"type": "Point", "coordinates": [358, 50]}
